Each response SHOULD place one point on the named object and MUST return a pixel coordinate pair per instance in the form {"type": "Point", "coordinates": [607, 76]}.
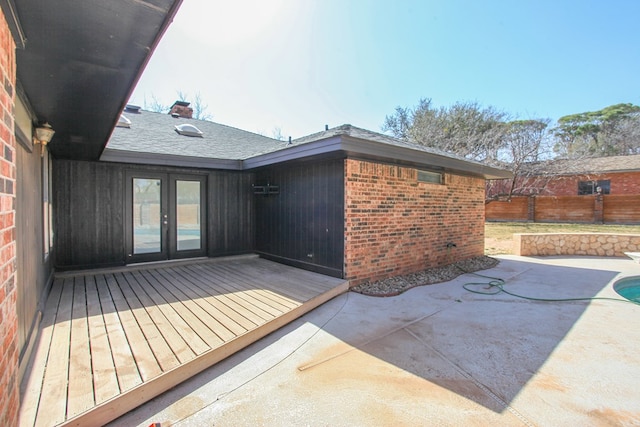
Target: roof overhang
{"type": "Point", "coordinates": [121, 156]}
{"type": "Point", "coordinates": [361, 148]}
{"type": "Point", "coordinates": [78, 62]}
{"type": "Point", "coordinates": [335, 146]}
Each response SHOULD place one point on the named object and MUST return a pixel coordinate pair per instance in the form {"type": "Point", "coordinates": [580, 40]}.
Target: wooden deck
{"type": "Point", "coordinates": [112, 340]}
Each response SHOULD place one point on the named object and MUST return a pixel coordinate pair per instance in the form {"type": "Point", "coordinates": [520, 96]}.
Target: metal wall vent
{"type": "Point", "coordinates": [431, 177]}
{"type": "Point", "coordinates": [188, 130]}
{"type": "Point", "coordinates": [123, 122]}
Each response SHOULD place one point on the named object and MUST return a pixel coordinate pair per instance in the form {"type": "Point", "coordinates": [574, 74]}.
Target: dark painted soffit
{"type": "Point", "coordinates": [81, 61]}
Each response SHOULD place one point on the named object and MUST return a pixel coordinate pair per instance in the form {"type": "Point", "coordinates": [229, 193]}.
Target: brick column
{"type": "Point", "coordinates": [598, 209]}
{"type": "Point", "coordinates": [10, 391]}
{"type": "Point", "coordinates": [531, 208]}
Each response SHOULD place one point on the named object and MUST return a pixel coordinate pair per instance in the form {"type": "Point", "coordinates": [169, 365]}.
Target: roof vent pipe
{"type": "Point", "coordinates": [326, 127]}
{"type": "Point", "coordinates": [130, 108]}
{"type": "Point", "coordinates": [289, 141]}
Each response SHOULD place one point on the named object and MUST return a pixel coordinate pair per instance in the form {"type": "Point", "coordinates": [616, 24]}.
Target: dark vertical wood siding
{"type": "Point", "coordinates": [230, 213]}
{"type": "Point", "coordinates": [304, 224]}
{"type": "Point", "coordinates": [33, 270]}
{"type": "Point", "coordinates": [89, 203]}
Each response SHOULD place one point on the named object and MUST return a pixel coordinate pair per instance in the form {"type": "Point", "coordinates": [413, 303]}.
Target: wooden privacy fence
{"type": "Point", "coordinates": [597, 209]}
{"type": "Point", "coordinates": [564, 209]}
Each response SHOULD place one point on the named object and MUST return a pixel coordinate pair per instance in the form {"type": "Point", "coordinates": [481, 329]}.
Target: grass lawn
{"type": "Point", "coordinates": [499, 235]}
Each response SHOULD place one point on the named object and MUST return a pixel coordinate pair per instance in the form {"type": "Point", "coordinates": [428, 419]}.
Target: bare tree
{"type": "Point", "coordinates": [483, 134]}
{"type": "Point", "coordinates": [155, 105]}
{"type": "Point", "coordinates": [276, 133]}
{"type": "Point", "coordinates": [625, 136]}
{"type": "Point", "coordinates": [525, 143]}
{"type": "Point", "coordinates": [466, 128]}
{"type": "Point", "coordinates": [200, 108]}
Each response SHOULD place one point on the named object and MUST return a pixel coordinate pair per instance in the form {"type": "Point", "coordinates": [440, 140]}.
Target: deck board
{"type": "Point", "coordinates": [174, 314]}
{"type": "Point", "coordinates": [218, 306]}
{"type": "Point", "coordinates": [244, 309]}
{"type": "Point", "coordinates": [127, 373]}
{"type": "Point", "coordinates": [35, 373]}
{"type": "Point", "coordinates": [165, 327]}
{"type": "Point", "coordinates": [162, 351]}
{"type": "Point", "coordinates": [111, 340]}
{"type": "Point", "coordinates": [53, 405]}
{"type": "Point", "coordinates": [265, 292]}
{"type": "Point", "coordinates": [218, 327]}
{"type": "Point", "coordinates": [80, 388]}
{"type": "Point", "coordinates": [105, 379]}
{"type": "Point", "coordinates": [143, 356]}
{"type": "Point", "coordinates": [293, 293]}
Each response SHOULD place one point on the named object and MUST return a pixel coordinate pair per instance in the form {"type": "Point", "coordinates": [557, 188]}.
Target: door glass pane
{"type": "Point", "coordinates": [147, 224]}
{"type": "Point", "coordinates": [188, 215]}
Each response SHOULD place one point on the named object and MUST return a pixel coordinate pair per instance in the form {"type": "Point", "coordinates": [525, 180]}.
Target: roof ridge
{"type": "Point", "coordinates": [211, 121]}
{"type": "Point", "coordinates": [587, 164]}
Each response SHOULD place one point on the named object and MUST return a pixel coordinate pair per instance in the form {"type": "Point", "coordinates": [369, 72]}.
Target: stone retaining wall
{"type": "Point", "coordinates": [594, 244]}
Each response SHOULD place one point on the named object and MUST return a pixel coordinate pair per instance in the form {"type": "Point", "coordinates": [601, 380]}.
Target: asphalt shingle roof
{"type": "Point", "coordinates": [586, 165]}
{"type": "Point", "coordinates": [364, 134]}
{"type": "Point", "coordinates": [155, 133]}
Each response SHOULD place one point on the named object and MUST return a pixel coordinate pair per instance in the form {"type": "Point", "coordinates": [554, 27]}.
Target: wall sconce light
{"type": "Point", "coordinates": [42, 135]}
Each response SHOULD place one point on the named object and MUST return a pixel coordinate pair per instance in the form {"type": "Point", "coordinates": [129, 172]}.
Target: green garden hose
{"type": "Point", "coordinates": [495, 285]}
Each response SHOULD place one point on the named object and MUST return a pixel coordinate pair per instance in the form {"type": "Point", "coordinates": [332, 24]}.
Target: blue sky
{"type": "Point", "coordinates": [300, 64]}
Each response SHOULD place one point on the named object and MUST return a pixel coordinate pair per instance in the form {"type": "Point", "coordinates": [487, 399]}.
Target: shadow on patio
{"type": "Point", "coordinates": [362, 358]}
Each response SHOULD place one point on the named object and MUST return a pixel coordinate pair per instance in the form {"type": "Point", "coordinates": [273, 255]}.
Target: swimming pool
{"type": "Point", "coordinates": [629, 287]}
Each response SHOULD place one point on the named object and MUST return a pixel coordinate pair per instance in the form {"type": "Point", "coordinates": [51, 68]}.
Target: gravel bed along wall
{"type": "Point", "coordinates": [399, 284]}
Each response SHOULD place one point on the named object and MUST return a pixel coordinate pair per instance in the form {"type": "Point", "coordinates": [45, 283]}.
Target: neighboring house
{"type": "Point", "coordinates": [557, 191]}
{"type": "Point", "coordinates": [346, 202]}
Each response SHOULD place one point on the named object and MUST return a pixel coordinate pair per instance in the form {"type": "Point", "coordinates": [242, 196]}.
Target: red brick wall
{"type": "Point", "coordinates": [621, 183]}
{"type": "Point", "coordinates": [396, 225]}
{"type": "Point", "coordinates": [9, 395]}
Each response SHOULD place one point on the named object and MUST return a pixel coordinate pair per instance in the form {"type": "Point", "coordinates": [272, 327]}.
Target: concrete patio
{"type": "Point", "coordinates": [436, 355]}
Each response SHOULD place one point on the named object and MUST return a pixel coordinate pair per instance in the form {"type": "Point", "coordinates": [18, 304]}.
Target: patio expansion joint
{"type": "Point", "coordinates": [225, 394]}
{"type": "Point", "coordinates": [470, 377]}
{"type": "Point", "coordinates": [367, 342]}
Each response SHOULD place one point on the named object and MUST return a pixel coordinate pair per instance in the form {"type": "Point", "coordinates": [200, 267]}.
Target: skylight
{"type": "Point", "coordinates": [123, 122]}
{"type": "Point", "coordinates": [188, 130]}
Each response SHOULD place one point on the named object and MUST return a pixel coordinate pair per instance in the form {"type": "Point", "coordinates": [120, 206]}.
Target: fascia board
{"type": "Point", "coordinates": [360, 147]}
{"type": "Point", "coordinates": [295, 152]}
{"type": "Point", "coordinates": [378, 149]}
{"type": "Point", "coordinates": [120, 156]}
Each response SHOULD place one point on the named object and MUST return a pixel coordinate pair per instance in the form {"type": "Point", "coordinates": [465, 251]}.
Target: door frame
{"type": "Point", "coordinates": [174, 253]}
{"type": "Point", "coordinates": [168, 212]}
